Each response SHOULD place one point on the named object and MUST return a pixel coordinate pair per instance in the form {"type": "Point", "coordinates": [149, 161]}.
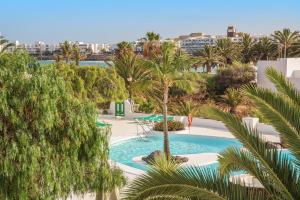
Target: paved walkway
{"type": "Point", "coordinates": [124, 129]}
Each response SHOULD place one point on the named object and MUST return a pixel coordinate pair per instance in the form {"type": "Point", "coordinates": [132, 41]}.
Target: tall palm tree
{"type": "Point", "coordinates": [135, 75]}
{"type": "Point", "coordinates": [152, 36]}
{"type": "Point", "coordinates": [66, 50]}
{"type": "Point", "coordinates": [209, 57]}
{"type": "Point", "coordinates": [227, 50]}
{"type": "Point", "coordinates": [285, 39]}
{"type": "Point", "coordinates": [4, 44]}
{"type": "Point", "coordinates": [247, 48]}
{"type": "Point", "coordinates": [278, 173]}
{"type": "Point", "coordinates": [265, 49]}
{"type": "Point", "coordinates": [151, 46]}
{"type": "Point", "coordinates": [168, 70]}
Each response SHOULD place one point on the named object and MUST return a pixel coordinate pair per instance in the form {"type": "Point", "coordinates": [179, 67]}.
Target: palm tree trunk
{"type": "Point", "coordinates": [208, 68]}
{"type": "Point", "coordinates": [285, 51]}
{"type": "Point", "coordinates": [102, 196]}
{"type": "Point", "coordinates": [130, 98]}
{"type": "Point", "coordinates": [165, 114]}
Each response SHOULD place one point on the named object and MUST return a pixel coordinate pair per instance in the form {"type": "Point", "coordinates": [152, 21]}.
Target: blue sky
{"type": "Point", "coordinates": [109, 21]}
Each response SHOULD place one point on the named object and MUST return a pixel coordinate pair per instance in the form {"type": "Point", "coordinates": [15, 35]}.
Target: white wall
{"type": "Point", "coordinates": [262, 65]}
{"type": "Point", "coordinates": [290, 67]}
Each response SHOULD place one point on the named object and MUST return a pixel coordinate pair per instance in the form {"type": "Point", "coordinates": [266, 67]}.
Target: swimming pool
{"type": "Point", "coordinates": [124, 152]}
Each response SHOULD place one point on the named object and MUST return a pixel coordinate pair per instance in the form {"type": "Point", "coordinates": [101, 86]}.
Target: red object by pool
{"type": "Point", "coordinates": [190, 120]}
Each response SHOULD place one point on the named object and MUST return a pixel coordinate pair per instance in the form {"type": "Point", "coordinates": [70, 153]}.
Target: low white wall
{"type": "Point", "coordinates": [208, 123]}
{"type": "Point", "coordinates": [267, 129]}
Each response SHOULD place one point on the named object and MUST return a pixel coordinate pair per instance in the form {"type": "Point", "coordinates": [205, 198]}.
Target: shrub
{"type": "Point", "coordinates": [172, 126]}
{"type": "Point", "coordinates": [234, 76]}
{"type": "Point", "coordinates": [146, 107]}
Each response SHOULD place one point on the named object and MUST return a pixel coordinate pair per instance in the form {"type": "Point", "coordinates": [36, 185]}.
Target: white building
{"type": "Point", "coordinates": [290, 67]}
{"type": "Point", "coordinates": [194, 44]}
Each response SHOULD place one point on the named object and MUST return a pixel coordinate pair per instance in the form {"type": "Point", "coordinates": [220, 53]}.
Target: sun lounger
{"type": "Point", "coordinates": [147, 123]}
{"type": "Point", "coordinates": [102, 124]}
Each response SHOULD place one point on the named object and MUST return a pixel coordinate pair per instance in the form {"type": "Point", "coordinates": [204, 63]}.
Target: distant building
{"type": "Point", "coordinates": [194, 44]}
{"type": "Point", "coordinates": [231, 31]}
{"type": "Point", "coordinates": [196, 41]}
{"type": "Point", "coordinates": [290, 67]}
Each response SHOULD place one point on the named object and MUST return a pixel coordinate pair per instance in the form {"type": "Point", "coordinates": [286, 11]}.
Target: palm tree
{"type": "Point", "coordinates": [233, 98]}
{"type": "Point", "coordinates": [123, 47]}
{"type": "Point", "coordinates": [77, 54]}
{"type": "Point", "coordinates": [277, 172]}
{"type": "Point", "coordinates": [4, 44]}
{"type": "Point", "coordinates": [152, 36]}
{"type": "Point", "coordinates": [265, 49]}
{"type": "Point", "coordinates": [295, 49]}
{"type": "Point", "coordinates": [151, 46]}
{"type": "Point", "coordinates": [285, 39]}
{"type": "Point", "coordinates": [167, 181]}
{"type": "Point", "coordinates": [186, 108]}
{"type": "Point", "coordinates": [135, 75]}
{"type": "Point", "coordinates": [66, 50]}
{"type": "Point", "coordinates": [168, 70]}
{"type": "Point", "coordinates": [209, 57]}
{"type": "Point", "coordinates": [227, 50]}
{"type": "Point", "coordinates": [247, 48]}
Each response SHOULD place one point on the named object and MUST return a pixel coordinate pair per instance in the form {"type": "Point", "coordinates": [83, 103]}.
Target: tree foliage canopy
{"type": "Point", "coordinates": [49, 143]}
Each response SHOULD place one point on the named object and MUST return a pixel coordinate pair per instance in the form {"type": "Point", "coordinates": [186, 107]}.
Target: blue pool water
{"type": "Point", "coordinates": [125, 151]}
{"type": "Point", "coordinates": [81, 63]}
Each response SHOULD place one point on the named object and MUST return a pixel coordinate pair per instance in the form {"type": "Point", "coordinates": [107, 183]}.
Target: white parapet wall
{"type": "Point", "coordinates": [289, 67]}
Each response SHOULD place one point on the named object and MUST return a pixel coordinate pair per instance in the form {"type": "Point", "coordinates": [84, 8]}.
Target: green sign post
{"type": "Point", "coordinates": [119, 109]}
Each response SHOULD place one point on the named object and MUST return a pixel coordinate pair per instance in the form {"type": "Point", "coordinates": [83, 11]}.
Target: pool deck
{"type": "Point", "coordinates": [123, 129]}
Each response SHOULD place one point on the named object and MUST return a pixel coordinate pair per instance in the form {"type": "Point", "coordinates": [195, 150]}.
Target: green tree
{"type": "Point", "coordinates": [247, 48]}
{"type": "Point", "coordinates": [234, 76]}
{"type": "Point", "coordinates": [233, 98]}
{"type": "Point", "coordinates": [265, 49]}
{"type": "Point", "coordinates": [273, 168]}
{"type": "Point", "coordinates": [285, 39]}
{"type": "Point", "coordinates": [168, 71]}
{"type": "Point", "coordinates": [209, 57]}
{"type": "Point", "coordinates": [166, 180]}
{"type": "Point", "coordinates": [295, 49]}
{"type": "Point", "coordinates": [228, 50]}
{"type": "Point", "coordinates": [151, 45]}
{"type": "Point", "coordinates": [4, 44]}
{"type": "Point", "coordinates": [277, 172]}
{"type": "Point", "coordinates": [152, 36]}
{"type": "Point", "coordinates": [186, 107]}
{"type": "Point", "coordinates": [48, 148]}
{"type": "Point", "coordinates": [76, 54]}
{"type": "Point", "coordinates": [99, 85]}
{"type": "Point", "coordinates": [123, 48]}
{"type": "Point", "coordinates": [133, 71]}
{"type": "Point", "coordinates": [66, 49]}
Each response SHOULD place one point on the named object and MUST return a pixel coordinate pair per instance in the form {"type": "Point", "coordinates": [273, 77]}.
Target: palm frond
{"type": "Point", "coordinates": [189, 183]}
{"type": "Point", "coordinates": [252, 141]}
{"type": "Point", "coordinates": [283, 85]}
{"type": "Point", "coordinates": [281, 112]}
